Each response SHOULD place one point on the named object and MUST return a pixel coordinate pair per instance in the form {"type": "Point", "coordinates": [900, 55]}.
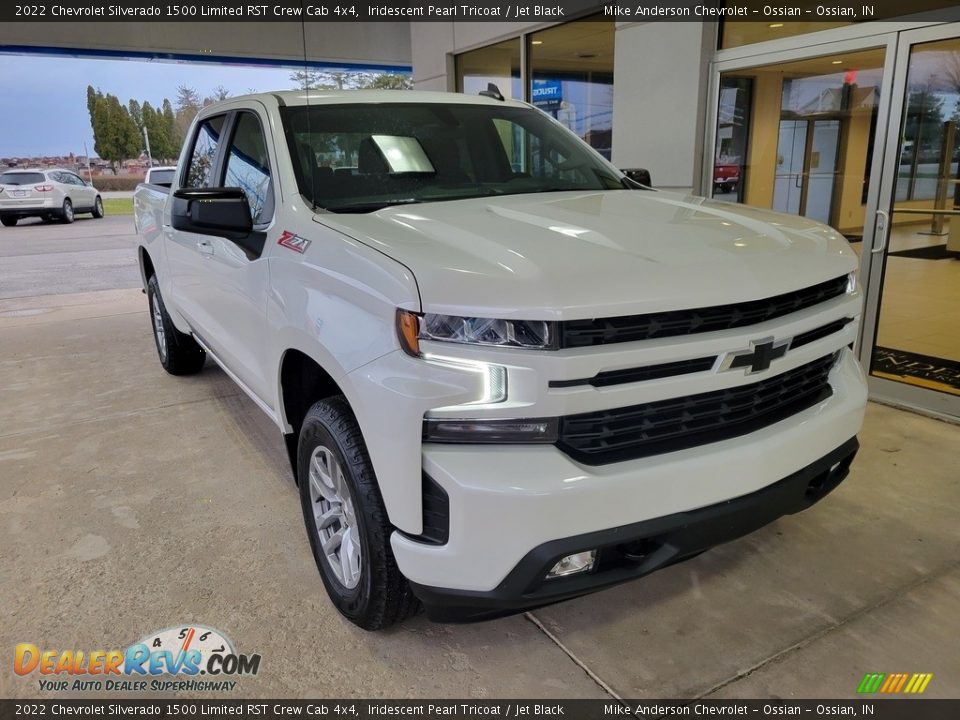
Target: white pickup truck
{"type": "Point", "coordinates": [506, 373]}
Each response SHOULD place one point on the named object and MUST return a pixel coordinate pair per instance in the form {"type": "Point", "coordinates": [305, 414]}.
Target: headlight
{"type": "Point", "coordinates": [529, 334]}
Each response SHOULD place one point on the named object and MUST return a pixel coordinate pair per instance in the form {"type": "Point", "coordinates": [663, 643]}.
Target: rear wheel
{"type": "Point", "coordinates": [66, 212]}
{"type": "Point", "coordinates": [98, 208]}
{"type": "Point", "coordinates": [179, 353]}
{"type": "Point", "coordinates": [8, 220]}
{"type": "Point", "coordinates": [346, 520]}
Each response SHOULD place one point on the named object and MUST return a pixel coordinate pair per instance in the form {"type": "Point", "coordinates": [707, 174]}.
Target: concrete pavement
{"type": "Point", "coordinates": [38, 258]}
{"type": "Point", "coordinates": [132, 501]}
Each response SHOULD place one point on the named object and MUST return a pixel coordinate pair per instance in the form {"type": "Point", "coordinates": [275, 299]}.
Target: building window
{"type": "Point", "coordinates": [498, 64]}
{"type": "Point", "coordinates": [571, 73]}
{"type": "Point", "coordinates": [733, 129]}
{"type": "Point", "coordinates": [735, 34]}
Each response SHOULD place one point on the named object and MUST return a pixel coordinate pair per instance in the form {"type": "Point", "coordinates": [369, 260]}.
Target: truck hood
{"type": "Point", "coordinates": [572, 255]}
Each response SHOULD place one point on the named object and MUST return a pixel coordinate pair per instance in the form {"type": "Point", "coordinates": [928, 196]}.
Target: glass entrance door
{"type": "Point", "coordinates": [799, 135]}
{"type": "Point", "coordinates": [911, 341]}
{"type": "Point", "coordinates": [807, 168]}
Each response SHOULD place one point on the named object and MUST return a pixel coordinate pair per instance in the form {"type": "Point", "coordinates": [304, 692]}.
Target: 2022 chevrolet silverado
{"type": "Point", "coordinates": [506, 373]}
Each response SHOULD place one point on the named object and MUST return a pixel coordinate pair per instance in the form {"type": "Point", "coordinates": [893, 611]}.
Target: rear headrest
{"type": "Point", "coordinates": [370, 159]}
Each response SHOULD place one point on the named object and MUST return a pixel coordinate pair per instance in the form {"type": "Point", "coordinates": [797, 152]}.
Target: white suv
{"type": "Point", "coordinates": [48, 194]}
{"type": "Point", "coordinates": [506, 373]}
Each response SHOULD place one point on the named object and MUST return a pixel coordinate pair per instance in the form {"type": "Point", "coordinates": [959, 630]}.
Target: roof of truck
{"type": "Point", "coordinates": [326, 97]}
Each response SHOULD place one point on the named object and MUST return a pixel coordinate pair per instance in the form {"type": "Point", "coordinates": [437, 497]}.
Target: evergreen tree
{"type": "Point", "coordinates": [136, 113]}
{"type": "Point", "coordinates": [171, 131]}
{"type": "Point", "coordinates": [115, 134]}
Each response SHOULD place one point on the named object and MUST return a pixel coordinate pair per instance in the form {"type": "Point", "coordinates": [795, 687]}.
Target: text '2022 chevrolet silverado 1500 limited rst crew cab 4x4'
{"type": "Point", "coordinates": [506, 373]}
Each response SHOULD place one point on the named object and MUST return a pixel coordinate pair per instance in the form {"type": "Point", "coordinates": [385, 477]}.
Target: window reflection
{"type": "Point", "coordinates": [572, 78]}
{"type": "Point", "coordinates": [498, 64]}
{"type": "Point", "coordinates": [929, 151]}
{"type": "Point", "coordinates": [248, 166]}
{"type": "Point", "coordinates": [204, 151]}
{"type": "Point", "coordinates": [798, 137]}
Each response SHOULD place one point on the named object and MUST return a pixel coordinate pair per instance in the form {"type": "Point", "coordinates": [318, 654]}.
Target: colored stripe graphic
{"type": "Point", "coordinates": [893, 683]}
{"type": "Point", "coordinates": [871, 682]}
{"type": "Point", "coordinates": [918, 683]}
{"type": "Point", "coordinates": [890, 682]}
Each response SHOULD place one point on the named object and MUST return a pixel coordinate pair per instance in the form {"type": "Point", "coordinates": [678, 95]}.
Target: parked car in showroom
{"type": "Point", "coordinates": [49, 194]}
{"type": "Point", "coordinates": [506, 374]}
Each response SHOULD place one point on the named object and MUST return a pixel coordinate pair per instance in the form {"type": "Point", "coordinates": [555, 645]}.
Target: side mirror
{"type": "Point", "coordinates": [638, 175]}
{"type": "Point", "coordinates": [223, 212]}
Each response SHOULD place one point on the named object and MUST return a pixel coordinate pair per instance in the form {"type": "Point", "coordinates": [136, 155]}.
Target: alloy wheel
{"type": "Point", "coordinates": [336, 522]}
{"type": "Point", "coordinates": [158, 331]}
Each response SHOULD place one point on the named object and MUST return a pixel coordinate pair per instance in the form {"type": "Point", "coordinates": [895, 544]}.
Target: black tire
{"type": "Point", "coordinates": [8, 220]}
{"type": "Point", "coordinates": [382, 595]}
{"type": "Point", "coordinates": [179, 353]}
{"type": "Point", "coordinates": [66, 212]}
{"type": "Point", "coordinates": [97, 211]}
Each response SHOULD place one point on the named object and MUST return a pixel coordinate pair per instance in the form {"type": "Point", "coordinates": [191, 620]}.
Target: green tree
{"type": "Point", "coordinates": [136, 112]}
{"type": "Point", "coordinates": [171, 131]}
{"type": "Point", "coordinates": [164, 142]}
{"type": "Point", "coordinates": [390, 81]}
{"type": "Point", "coordinates": [115, 134]}
{"type": "Point", "coordinates": [349, 80]}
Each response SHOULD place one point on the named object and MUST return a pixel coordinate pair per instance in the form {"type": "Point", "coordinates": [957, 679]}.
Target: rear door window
{"type": "Point", "coordinates": [161, 177]}
{"type": "Point", "coordinates": [204, 154]}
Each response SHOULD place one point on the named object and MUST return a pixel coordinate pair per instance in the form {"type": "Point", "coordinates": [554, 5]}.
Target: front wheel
{"type": "Point", "coordinates": [97, 208]}
{"type": "Point", "coordinates": [346, 521]}
{"type": "Point", "coordinates": [179, 353]}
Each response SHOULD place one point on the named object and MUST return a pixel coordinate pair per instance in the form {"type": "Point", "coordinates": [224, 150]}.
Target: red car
{"type": "Point", "coordinates": [726, 177]}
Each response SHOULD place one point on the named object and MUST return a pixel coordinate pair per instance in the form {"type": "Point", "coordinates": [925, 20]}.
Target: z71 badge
{"type": "Point", "coordinates": [293, 242]}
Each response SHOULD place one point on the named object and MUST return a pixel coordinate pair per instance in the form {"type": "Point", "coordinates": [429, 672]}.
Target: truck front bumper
{"type": "Point", "coordinates": [510, 503]}
{"type": "Point", "coordinates": [631, 551]}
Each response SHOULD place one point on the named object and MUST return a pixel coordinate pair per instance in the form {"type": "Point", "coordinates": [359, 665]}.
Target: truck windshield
{"type": "Point", "coordinates": [363, 157]}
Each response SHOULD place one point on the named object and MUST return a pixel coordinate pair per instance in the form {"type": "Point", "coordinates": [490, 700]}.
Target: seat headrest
{"type": "Point", "coordinates": [370, 159]}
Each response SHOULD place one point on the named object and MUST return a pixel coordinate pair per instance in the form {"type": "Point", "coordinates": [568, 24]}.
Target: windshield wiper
{"type": "Point", "coordinates": [370, 205]}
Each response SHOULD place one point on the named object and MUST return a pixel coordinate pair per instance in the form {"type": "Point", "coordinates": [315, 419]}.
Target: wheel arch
{"type": "Point", "coordinates": [302, 382]}
{"type": "Point", "coordinates": [147, 269]}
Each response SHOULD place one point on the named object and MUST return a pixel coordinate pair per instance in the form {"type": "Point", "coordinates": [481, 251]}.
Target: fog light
{"type": "Point", "coordinates": [572, 564]}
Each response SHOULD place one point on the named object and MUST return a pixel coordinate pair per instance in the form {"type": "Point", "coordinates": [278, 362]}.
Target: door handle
{"type": "Point", "coordinates": [205, 247]}
{"type": "Point", "coordinates": [883, 219]}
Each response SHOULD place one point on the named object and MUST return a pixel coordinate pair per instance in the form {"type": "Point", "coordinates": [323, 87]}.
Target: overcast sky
{"type": "Point", "coordinates": [45, 98]}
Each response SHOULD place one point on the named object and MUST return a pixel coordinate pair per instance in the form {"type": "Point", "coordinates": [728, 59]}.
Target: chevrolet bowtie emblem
{"type": "Point", "coordinates": [757, 359]}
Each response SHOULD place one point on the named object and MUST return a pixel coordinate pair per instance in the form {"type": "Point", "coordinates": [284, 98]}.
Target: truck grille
{"type": "Point", "coordinates": [607, 436]}
{"type": "Point", "coordinates": [628, 328]}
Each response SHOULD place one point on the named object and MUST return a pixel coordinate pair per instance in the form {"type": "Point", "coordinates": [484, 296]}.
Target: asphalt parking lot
{"type": "Point", "coordinates": [38, 258]}
{"type": "Point", "coordinates": [131, 501]}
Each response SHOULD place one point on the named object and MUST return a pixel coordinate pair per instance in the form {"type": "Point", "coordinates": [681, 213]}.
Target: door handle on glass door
{"type": "Point", "coordinates": [881, 229]}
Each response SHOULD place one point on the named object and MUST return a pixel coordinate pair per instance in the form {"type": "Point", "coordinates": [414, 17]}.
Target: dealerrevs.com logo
{"type": "Point", "coordinates": [170, 660]}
